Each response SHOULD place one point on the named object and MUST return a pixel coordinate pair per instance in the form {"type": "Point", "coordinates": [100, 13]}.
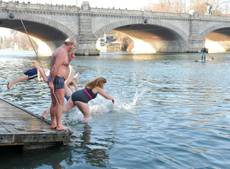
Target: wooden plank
{"type": "Point", "coordinates": [21, 127]}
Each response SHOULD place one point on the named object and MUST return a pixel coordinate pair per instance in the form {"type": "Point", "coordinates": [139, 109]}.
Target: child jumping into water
{"type": "Point", "coordinates": [80, 98]}
{"type": "Point", "coordinates": [36, 71]}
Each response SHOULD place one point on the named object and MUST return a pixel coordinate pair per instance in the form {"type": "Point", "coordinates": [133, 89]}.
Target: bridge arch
{"type": "Point", "coordinates": [213, 28]}
{"type": "Point", "coordinates": [114, 25]}
{"type": "Point", "coordinates": [176, 40]}
{"type": "Point", "coordinates": [48, 30]}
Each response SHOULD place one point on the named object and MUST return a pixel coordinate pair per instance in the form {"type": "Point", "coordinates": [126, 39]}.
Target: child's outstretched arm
{"type": "Point", "coordinates": [104, 94]}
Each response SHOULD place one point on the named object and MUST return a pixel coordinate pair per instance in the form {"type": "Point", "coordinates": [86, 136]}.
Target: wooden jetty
{"type": "Point", "coordinates": [19, 127]}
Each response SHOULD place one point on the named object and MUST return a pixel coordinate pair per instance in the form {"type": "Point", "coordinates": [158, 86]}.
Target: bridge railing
{"type": "Point", "coordinates": [38, 7]}
{"type": "Point", "coordinates": [212, 18]}
{"type": "Point", "coordinates": [68, 9]}
{"type": "Point", "coordinates": [122, 12]}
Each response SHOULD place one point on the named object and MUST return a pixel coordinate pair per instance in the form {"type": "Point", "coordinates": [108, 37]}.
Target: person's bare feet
{"type": "Point", "coordinates": [61, 128]}
{"type": "Point", "coordinates": [53, 126]}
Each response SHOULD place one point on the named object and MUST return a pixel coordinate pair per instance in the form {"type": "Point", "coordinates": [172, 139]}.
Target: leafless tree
{"type": "Point", "coordinates": [199, 6]}
{"type": "Point", "coordinates": [174, 6]}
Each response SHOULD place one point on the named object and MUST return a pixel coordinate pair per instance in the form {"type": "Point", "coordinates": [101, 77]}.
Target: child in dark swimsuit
{"type": "Point", "coordinates": [80, 98]}
{"type": "Point", "coordinates": [37, 71]}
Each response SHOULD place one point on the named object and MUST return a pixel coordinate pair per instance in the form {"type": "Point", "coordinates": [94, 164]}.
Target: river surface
{"type": "Point", "coordinates": [169, 112]}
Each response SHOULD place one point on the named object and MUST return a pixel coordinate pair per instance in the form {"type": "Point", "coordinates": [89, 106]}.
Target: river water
{"type": "Point", "coordinates": [169, 112]}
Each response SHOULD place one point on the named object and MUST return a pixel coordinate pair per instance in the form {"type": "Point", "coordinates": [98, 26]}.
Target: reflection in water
{"type": "Point", "coordinates": [94, 152]}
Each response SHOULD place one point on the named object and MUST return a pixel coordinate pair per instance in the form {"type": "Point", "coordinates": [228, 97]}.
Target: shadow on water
{"type": "Point", "coordinates": [52, 157]}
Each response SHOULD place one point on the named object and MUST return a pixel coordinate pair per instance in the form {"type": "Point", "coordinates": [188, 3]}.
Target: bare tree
{"type": "Point", "coordinates": [201, 7]}
{"type": "Point", "coordinates": [212, 7]}
{"type": "Point", "coordinates": [174, 6]}
{"type": "Point", "coordinates": [218, 6]}
{"type": "Point", "coordinates": [16, 39]}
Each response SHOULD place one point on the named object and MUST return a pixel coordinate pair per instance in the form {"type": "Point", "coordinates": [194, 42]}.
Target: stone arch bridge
{"type": "Point", "coordinates": [53, 24]}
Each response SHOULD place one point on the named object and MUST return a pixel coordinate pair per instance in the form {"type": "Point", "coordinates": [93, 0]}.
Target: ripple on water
{"type": "Point", "coordinates": [169, 113]}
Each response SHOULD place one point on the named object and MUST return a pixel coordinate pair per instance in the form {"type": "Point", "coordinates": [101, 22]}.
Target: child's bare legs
{"type": "Point", "coordinates": [17, 80]}
{"type": "Point", "coordinates": [68, 106]}
{"type": "Point", "coordinates": [84, 108]}
{"type": "Point", "coordinates": [42, 73]}
{"type": "Point", "coordinates": [68, 91]}
{"type": "Point", "coordinates": [45, 113]}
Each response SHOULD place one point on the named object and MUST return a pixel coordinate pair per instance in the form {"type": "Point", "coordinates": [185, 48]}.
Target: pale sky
{"type": "Point", "coordinates": [129, 4]}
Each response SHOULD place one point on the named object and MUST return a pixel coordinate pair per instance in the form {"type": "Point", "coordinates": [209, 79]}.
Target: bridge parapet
{"type": "Point", "coordinates": [72, 9]}
{"type": "Point", "coordinates": [211, 18]}
{"type": "Point", "coordinates": [134, 13]}
{"type": "Point", "coordinates": [40, 8]}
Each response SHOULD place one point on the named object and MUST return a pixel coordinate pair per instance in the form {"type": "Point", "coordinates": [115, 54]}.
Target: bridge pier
{"type": "Point", "coordinates": [87, 44]}
{"type": "Point", "coordinates": [195, 45]}
{"type": "Point", "coordinates": [86, 39]}
{"type": "Point", "coordinates": [87, 49]}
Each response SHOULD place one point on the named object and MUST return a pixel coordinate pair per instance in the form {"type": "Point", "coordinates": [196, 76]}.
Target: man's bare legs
{"type": "Point", "coordinates": [18, 79]}
{"type": "Point", "coordinates": [60, 97]}
{"type": "Point", "coordinates": [53, 110]}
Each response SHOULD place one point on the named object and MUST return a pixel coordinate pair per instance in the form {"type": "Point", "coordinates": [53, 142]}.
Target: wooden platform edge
{"type": "Point", "coordinates": [35, 140]}
{"type": "Point", "coordinates": [37, 116]}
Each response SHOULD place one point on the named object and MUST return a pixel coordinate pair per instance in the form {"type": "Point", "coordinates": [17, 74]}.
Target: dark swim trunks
{"type": "Point", "coordinates": [31, 73]}
{"type": "Point", "coordinates": [59, 82]}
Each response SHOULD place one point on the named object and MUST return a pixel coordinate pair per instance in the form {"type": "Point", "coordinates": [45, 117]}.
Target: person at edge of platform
{"type": "Point", "coordinates": [59, 71]}
{"type": "Point", "coordinates": [81, 97]}
{"type": "Point", "coordinates": [71, 84]}
{"type": "Point", "coordinates": [37, 71]}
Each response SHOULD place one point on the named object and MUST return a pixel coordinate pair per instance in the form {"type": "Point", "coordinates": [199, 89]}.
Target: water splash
{"type": "Point", "coordinates": [102, 106]}
{"type": "Point", "coordinates": [124, 105]}
{"type": "Point", "coordinates": [120, 105]}
{"type": "Point", "coordinates": [73, 117]}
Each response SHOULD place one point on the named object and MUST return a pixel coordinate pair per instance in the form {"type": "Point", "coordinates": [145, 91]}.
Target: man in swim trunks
{"type": "Point", "coordinates": [59, 71]}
